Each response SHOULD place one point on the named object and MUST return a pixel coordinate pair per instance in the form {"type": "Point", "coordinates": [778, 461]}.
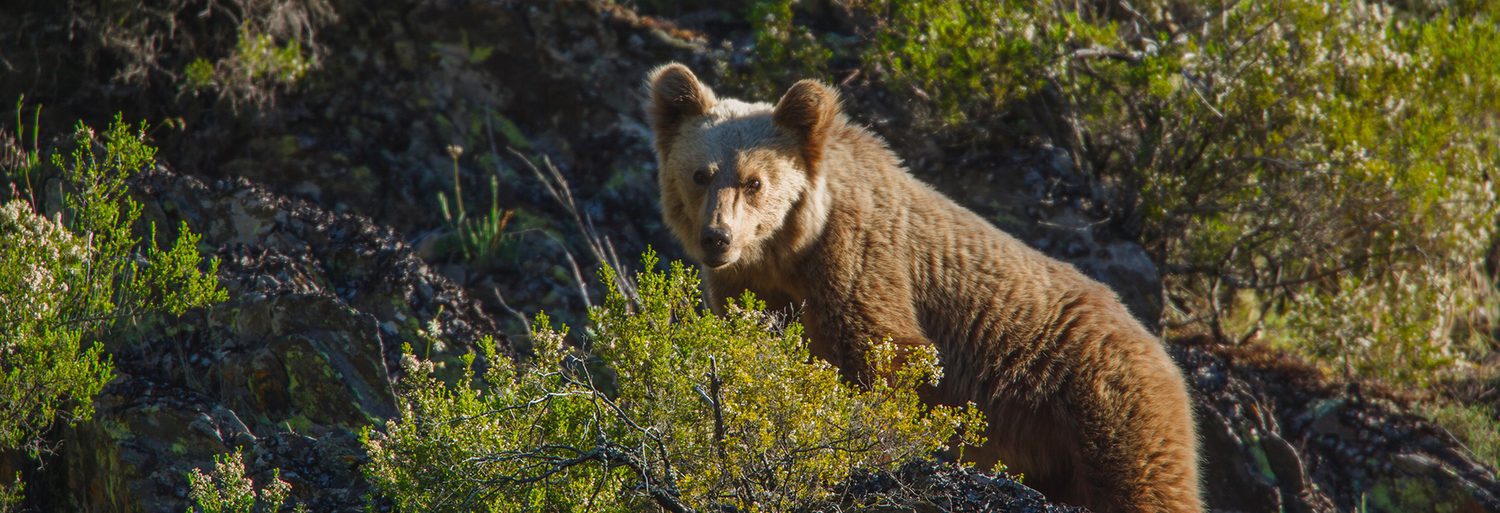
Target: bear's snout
{"type": "Point", "coordinates": [715, 239]}
{"type": "Point", "coordinates": [715, 246]}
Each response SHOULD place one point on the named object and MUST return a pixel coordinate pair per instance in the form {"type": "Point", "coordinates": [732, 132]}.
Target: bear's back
{"type": "Point", "coordinates": [980, 293]}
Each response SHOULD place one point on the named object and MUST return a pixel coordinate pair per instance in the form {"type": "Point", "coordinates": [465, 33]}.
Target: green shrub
{"type": "Point", "coordinates": [12, 494]}
{"type": "Point", "coordinates": [694, 411]}
{"type": "Point", "coordinates": [68, 278]}
{"type": "Point", "coordinates": [785, 51]}
{"type": "Point", "coordinates": [48, 370]}
{"type": "Point", "coordinates": [967, 57]}
{"type": "Point", "coordinates": [1306, 173]}
{"type": "Point", "coordinates": [253, 72]}
{"type": "Point", "coordinates": [74, 277]}
{"type": "Point", "coordinates": [228, 490]}
{"type": "Point", "coordinates": [1312, 174]}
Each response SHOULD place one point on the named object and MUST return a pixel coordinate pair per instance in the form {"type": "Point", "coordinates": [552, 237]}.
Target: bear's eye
{"type": "Point", "coordinates": [753, 185]}
{"type": "Point", "coordinates": [700, 177]}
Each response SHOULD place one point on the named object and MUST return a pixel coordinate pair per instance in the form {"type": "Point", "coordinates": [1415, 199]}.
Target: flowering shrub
{"type": "Point", "coordinates": [68, 279]}
{"type": "Point", "coordinates": [683, 410]}
{"type": "Point", "coordinates": [47, 370]}
{"type": "Point", "coordinates": [228, 490]}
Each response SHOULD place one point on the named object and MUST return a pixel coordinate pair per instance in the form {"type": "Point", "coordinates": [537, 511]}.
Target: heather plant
{"type": "Point", "coordinates": [78, 273]}
{"type": "Point", "coordinates": [48, 370]}
{"type": "Point", "coordinates": [682, 410]}
{"type": "Point", "coordinates": [228, 490]}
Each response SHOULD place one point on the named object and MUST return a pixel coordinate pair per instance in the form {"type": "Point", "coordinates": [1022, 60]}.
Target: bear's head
{"type": "Point", "coordinates": [737, 178]}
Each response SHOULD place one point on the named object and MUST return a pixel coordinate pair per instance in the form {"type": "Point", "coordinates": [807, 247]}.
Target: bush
{"type": "Point", "coordinates": [694, 411]}
{"type": "Point", "coordinates": [228, 490]}
{"type": "Point", "coordinates": [1311, 174]}
{"type": "Point", "coordinates": [72, 278]}
{"type": "Point", "coordinates": [966, 57]}
{"type": "Point", "coordinates": [1306, 173]}
{"type": "Point", "coordinates": [785, 51]}
{"type": "Point", "coordinates": [47, 370]}
{"type": "Point", "coordinates": [257, 69]}
{"type": "Point", "coordinates": [12, 494]}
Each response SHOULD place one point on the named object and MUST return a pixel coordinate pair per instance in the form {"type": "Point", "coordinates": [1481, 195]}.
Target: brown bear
{"type": "Point", "coordinates": [806, 209]}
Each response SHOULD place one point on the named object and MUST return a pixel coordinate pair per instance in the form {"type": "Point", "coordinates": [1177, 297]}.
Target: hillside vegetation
{"type": "Point", "coordinates": [337, 254]}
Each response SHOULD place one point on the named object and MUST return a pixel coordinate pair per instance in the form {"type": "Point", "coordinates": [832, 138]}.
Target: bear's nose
{"type": "Point", "coordinates": [715, 238]}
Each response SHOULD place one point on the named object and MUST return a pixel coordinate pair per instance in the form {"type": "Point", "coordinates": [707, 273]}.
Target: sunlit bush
{"type": "Point", "coordinates": [688, 410]}
{"type": "Point", "coordinates": [73, 277]}
{"type": "Point", "coordinates": [967, 57]}
{"type": "Point", "coordinates": [1310, 173]}
{"type": "Point", "coordinates": [66, 279]}
{"type": "Point", "coordinates": [228, 490]}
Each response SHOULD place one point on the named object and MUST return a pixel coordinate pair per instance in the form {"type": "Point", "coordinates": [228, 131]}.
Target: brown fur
{"type": "Point", "coordinates": [1080, 397]}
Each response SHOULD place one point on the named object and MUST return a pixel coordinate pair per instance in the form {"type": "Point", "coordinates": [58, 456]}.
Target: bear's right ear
{"type": "Point", "coordinates": [808, 111]}
{"type": "Point", "coordinates": [676, 95]}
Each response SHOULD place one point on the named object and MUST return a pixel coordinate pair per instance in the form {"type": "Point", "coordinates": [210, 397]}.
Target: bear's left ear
{"type": "Point", "coordinates": [808, 111]}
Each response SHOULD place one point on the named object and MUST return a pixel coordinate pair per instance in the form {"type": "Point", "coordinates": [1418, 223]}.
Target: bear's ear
{"type": "Point", "coordinates": [676, 95]}
{"type": "Point", "coordinates": [808, 111]}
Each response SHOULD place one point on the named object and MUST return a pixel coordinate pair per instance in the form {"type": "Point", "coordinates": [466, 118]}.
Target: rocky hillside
{"type": "Point", "coordinates": [321, 200]}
